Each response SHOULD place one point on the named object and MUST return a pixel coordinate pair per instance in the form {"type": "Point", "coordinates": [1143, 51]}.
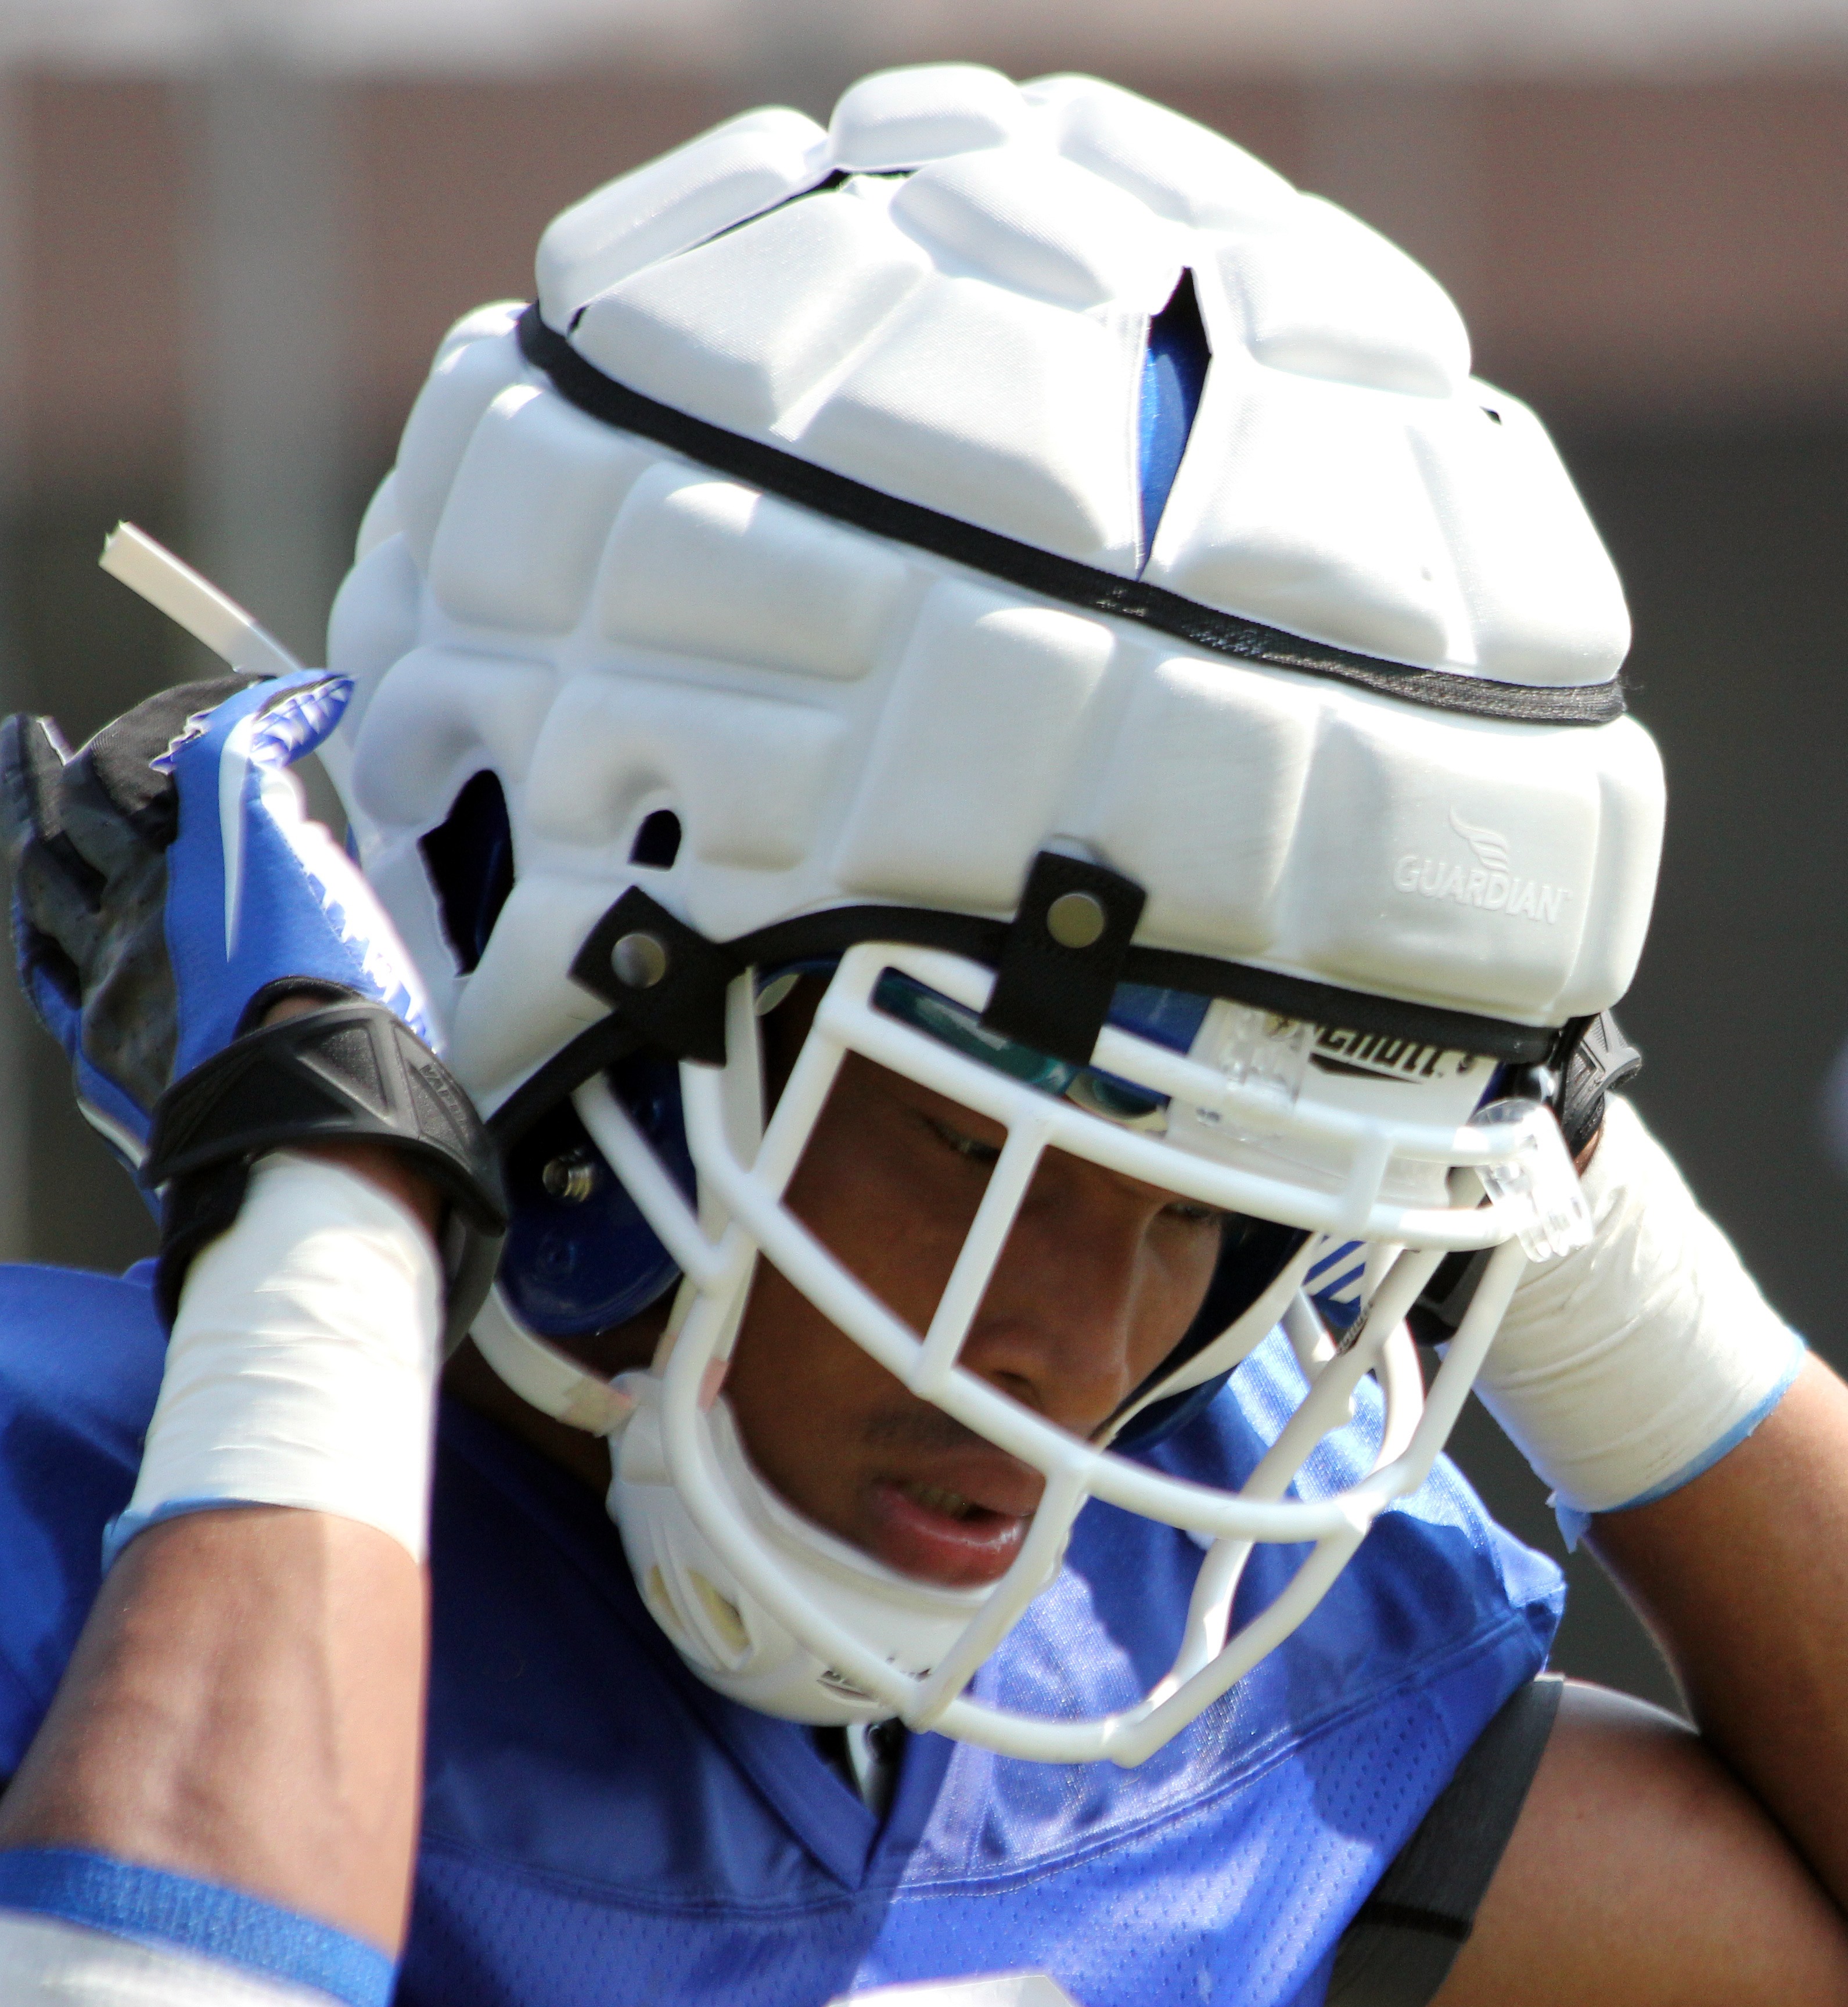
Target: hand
{"type": "Point", "coordinates": [168, 879]}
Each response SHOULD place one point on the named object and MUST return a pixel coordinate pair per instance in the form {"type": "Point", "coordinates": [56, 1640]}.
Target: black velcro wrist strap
{"type": "Point", "coordinates": [1602, 1062]}
{"type": "Point", "coordinates": [349, 1072]}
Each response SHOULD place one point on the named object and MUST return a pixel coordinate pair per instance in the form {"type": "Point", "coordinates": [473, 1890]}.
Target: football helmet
{"type": "Point", "coordinates": [1013, 560]}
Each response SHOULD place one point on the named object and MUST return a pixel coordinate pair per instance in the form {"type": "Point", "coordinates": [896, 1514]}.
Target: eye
{"type": "Point", "coordinates": [1194, 1212]}
{"type": "Point", "coordinates": [965, 1145]}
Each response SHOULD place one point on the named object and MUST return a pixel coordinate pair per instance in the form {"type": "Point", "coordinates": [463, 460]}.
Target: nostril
{"type": "Point", "coordinates": [1016, 1386]}
{"type": "Point", "coordinates": [1073, 1387]}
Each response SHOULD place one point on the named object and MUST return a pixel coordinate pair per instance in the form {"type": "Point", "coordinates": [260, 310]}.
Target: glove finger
{"type": "Point", "coordinates": [131, 1010]}
{"type": "Point", "coordinates": [130, 761]}
{"type": "Point", "coordinates": [50, 979]}
{"type": "Point", "coordinates": [298, 719]}
{"type": "Point", "coordinates": [53, 903]}
{"type": "Point", "coordinates": [32, 760]}
{"type": "Point", "coordinates": [55, 889]}
{"type": "Point", "coordinates": [119, 804]}
{"type": "Point", "coordinates": [112, 844]}
{"type": "Point", "coordinates": [267, 725]}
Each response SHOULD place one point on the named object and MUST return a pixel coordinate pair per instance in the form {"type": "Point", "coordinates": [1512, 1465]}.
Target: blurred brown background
{"type": "Point", "coordinates": [231, 236]}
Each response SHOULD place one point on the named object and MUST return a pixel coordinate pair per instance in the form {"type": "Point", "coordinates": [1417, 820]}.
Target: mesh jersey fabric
{"type": "Point", "coordinates": [80, 1360]}
{"type": "Point", "coordinates": [599, 1827]}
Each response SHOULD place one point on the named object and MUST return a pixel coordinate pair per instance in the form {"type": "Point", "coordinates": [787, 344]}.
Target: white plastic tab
{"type": "Point", "coordinates": [1268, 1057]}
{"type": "Point", "coordinates": [1538, 1185]}
{"type": "Point", "coordinates": [193, 603]}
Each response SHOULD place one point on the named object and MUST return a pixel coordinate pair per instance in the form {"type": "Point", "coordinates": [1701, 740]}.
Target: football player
{"type": "Point", "coordinates": [992, 832]}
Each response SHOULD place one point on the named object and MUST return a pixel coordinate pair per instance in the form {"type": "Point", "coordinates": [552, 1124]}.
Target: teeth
{"type": "Point", "coordinates": [933, 1498]}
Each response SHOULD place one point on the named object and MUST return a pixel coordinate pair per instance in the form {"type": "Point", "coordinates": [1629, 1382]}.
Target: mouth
{"type": "Point", "coordinates": [959, 1539]}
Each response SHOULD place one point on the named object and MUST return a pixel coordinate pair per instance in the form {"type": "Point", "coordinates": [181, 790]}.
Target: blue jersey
{"type": "Point", "coordinates": [601, 1830]}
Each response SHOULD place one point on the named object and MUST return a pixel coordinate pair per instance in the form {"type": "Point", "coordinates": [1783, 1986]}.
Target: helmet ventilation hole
{"type": "Point", "coordinates": [469, 859]}
{"type": "Point", "coordinates": [658, 841]}
{"type": "Point", "coordinates": [1174, 370]}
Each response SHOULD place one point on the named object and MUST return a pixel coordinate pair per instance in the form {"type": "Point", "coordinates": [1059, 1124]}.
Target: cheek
{"type": "Point", "coordinates": [892, 1212]}
{"type": "Point", "coordinates": [798, 1387]}
{"type": "Point", "coordinates": [1177, 1270]}
{"type": "Point", "coordinates": [802, 1391]}
{"type": "Point", "coordinates": [788, 1359]}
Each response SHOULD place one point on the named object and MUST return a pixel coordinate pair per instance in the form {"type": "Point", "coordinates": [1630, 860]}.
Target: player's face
{"type": "Point", "coordinates": [1100, 1279]}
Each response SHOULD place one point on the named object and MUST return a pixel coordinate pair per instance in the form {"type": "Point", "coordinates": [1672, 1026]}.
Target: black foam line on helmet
{"type": "Point", "coordinates": [585, 1057]}
{"type": "Point", "coordinates": [1327, 1003]}
{"type": "Point", "coordinates": [821, 935]}
{"type": "Point", "coordinates": [842, 927]}
{"type": "Point", "coordinates": [776, 472]}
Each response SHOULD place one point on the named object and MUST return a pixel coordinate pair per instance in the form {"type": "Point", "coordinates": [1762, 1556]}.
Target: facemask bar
{"type": "Point", "coordinates": [1385, 1350]}
{"type": "Point", "coordinates": [1495, 1141]}
{"type": "Point", "coordinates": [1223, 1352]}
{"type": "Point", "coordinates": [748, 1184]}
{"type": "Point", "coordinates": [549, 1379]}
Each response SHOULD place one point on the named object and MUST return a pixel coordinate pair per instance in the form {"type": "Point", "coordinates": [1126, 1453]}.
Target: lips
{"type": "Point", "coordinates": [960, 1527]}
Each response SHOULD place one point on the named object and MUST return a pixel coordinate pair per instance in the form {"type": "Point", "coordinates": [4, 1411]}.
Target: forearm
{"type": "Point", "coordinates": [227, 1778]}
{"type": "Point", "coordinates": [1684, 1430]}
{"type": "Point", "coordinates": [245, 1706]}
{"type": "Point", "coordinates": [1743, 1575]}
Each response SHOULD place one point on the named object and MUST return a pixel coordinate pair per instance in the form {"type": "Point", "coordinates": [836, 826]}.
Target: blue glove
{"type": "Point", "coordinates": [168, 886]}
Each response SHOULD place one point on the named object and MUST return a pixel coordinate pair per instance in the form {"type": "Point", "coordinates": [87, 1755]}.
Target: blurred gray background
{"type": "Point", "coordinates": [230, 233]}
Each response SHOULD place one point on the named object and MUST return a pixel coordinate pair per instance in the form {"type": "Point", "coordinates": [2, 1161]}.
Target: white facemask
{"type": "Point", "coordinates": [735, 1643]}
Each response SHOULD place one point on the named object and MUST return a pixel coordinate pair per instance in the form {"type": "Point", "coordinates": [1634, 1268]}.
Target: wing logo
{"type": "Point", "coordinates": [1490, 847]}
{"type": "Point", "coordinates": [234, 765]}
{"type": "Point", "coordinates": [1492, 886]}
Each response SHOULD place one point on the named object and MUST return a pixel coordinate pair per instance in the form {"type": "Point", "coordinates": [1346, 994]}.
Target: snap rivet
{"type": "Point", "coordinates": [1075, 920]}
{"type": "Point", "coordinates": [640, 961]}
{"type": "Point", "coordinates": [571, 1177]}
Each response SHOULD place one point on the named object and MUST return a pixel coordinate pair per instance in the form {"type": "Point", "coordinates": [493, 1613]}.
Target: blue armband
{"type": "Point", "coordinates": [1574, 1524]}
{"type": "Point", "coordinates": [174, 1913]}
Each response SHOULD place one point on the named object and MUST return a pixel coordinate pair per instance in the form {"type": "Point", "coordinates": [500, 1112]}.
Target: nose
{"type": "Point", "coordinates": [1083, 1305]}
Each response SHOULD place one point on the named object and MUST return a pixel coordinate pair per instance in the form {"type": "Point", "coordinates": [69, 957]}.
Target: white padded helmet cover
{"type": "Point", "coordinates": [968, 336]}
{"type": "Point", "coordinates": [835, 717]}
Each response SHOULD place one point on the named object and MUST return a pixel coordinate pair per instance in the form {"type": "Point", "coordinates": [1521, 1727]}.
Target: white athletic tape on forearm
{"type": "Point", "coordinates": [45, 1963]}
{"type": "Point", "coordinates": [302, 1367]}
{"type": "Point", "coordinates": [1626, 1369]}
